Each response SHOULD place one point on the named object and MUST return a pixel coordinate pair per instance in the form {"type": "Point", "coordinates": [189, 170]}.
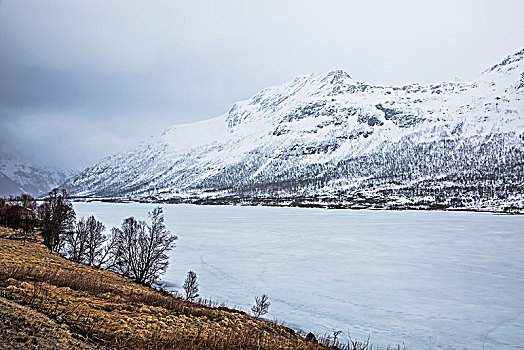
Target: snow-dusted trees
{"type": "Point", "coordinates": [191, 286]}
{"type": "Point", "coordinates": [140, 249]}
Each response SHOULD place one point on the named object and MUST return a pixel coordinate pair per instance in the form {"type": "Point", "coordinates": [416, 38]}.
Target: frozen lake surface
{"type": "Point", "coordinates": [431, 280]}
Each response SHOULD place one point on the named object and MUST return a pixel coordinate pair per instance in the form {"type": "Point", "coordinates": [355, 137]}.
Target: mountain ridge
{"type": "Point", "coordinates": [327, 139]}
{"type": "Point", "coordinates": [18, 176]}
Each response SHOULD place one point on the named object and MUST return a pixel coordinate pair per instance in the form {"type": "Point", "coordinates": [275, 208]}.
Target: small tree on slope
{"type": "Point", "coordinates": [191, 286]}
{"type": "Point", "coordinates": [261, 306]}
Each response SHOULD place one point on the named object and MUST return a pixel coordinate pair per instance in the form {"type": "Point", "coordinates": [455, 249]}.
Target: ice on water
{"type": "Point", "coordinates": [431, 280]}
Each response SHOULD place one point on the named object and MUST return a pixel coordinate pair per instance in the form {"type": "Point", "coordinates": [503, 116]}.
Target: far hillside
{"type": "Point", "coordinates": [19, 176]}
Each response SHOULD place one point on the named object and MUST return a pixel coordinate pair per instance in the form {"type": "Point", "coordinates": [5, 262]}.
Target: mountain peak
{"type": "Point", "coordinates": [336, 76]}
{"type": "Point", "coordinates": [325, 137]}
{"type": "Point", "coordinates": [509, 60]}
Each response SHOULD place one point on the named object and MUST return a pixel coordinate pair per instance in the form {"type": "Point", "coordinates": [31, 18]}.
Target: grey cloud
{"type": "Point", "coordinates": [83, 79]}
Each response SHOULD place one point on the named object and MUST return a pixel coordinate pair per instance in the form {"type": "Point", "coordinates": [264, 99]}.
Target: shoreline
{"type": "Point", "coordinates": [293, 203]}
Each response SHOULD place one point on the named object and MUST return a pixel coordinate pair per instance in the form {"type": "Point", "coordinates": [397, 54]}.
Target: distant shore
{"type": "Point", "coordinates": [304, 202]}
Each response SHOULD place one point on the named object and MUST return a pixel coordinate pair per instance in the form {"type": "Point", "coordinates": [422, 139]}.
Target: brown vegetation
{"type": "Point", "coordinates": [23, 328]}
{"type": "Point", "coordinates": [113, 311]}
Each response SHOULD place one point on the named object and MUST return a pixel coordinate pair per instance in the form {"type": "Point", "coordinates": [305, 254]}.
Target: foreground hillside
{"type": "Point", "coordinates": [49, 302]}
{"type": "Point", "coordinates": [24, 328]}
{"type": "Point", "coordinates": [326, 139]}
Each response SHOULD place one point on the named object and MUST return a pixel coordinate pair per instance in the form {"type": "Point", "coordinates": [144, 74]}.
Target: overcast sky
{"type": "Point", "coordinates": [80, 80]}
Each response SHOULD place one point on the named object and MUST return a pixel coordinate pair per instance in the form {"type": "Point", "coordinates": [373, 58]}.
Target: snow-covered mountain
{"type": "Point", "coordinates": [18, 176]}
{"type": "Point", "coordinates": [330, 140]}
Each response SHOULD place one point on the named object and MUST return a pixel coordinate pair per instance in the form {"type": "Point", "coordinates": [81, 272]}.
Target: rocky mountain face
{"type": "Point", "coordinates": [327, 140]}
{"type": "Point", "coordinates": [18, 176]}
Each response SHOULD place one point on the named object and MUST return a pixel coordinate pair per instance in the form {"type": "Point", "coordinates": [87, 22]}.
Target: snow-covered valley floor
{"type": "Point", "coordinates": [430, 280]}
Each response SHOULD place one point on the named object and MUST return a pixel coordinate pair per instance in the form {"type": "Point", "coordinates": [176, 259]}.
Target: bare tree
{"type": "Point", "coordinates": [261, 306]}
{"type": "Point", "coordinates": [3, 208]}
{"type": "Point", "coordinates": [76, 242]}
{"type": "Point", "coordinates": [29, 215]}
{"type": "Point", "coordinates": [19, 213]}
{"type": "Point", "coordinates": [336, 333]}
{"type": "Point", "coordinates": [126, 238]}
{"type": "Point", "coordinates": [107, 251]}
{"type": "Point", "coordinates": [191, 286]}
{"type": "Point", "coordinates": [85, 243]}
{"type": "Point", "coordinates": [57, 218]}
{"type": "Point", "coordinates": [27, 201]}
{"type": "Point", "coordinates": [94, 240]}
{"type": "Point", "coordinates": [140, 249]}
{"type": "Point", "coordinates": [12, 214]}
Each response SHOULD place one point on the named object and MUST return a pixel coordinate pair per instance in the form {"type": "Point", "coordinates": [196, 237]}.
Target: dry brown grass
{"type": "Point", "coordinates": [23, 328]}
{"type": "Point", "coordinates": [114, 311]}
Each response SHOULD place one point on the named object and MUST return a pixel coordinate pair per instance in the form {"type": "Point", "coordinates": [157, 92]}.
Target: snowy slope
{"type": "Point", "coordinates": [18, 176]}
{"type": "Point", "coordinates": [327, 139]}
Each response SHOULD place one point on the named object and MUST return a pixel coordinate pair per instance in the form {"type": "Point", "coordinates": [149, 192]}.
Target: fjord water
{"type": "Point", "coordinates": [430, 280]}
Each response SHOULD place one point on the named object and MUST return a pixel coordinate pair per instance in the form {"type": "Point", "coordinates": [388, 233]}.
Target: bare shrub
{"type": "Point", "coordinates": [191, 286]}
{"type": "Point", "coordinates": [261, 306]}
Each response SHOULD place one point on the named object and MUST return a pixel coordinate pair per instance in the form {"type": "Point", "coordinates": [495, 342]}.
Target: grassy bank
{"type": "Point", "coordinates": [79, 306]}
